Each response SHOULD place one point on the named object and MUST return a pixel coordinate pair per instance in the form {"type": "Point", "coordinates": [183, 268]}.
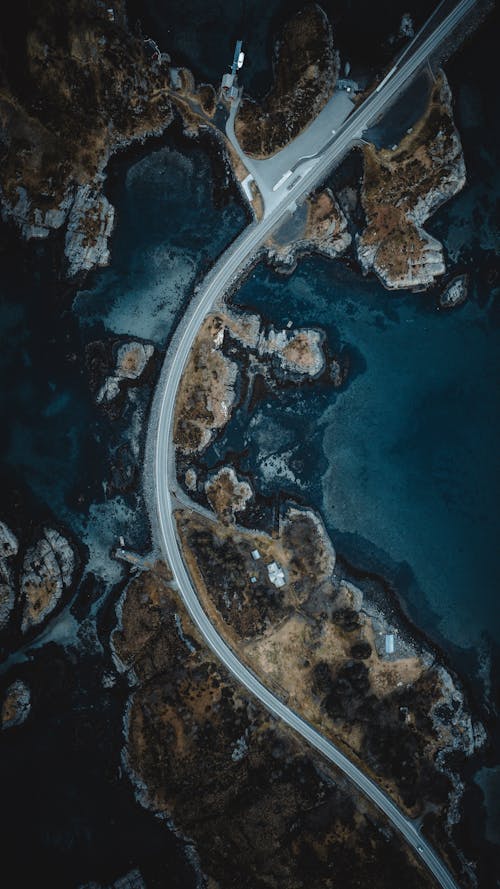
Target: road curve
{"type": "Point", "coordinates": [160, 442]}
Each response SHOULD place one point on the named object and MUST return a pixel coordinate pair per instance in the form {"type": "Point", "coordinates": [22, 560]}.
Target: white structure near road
{"type": "Point", "coordinates": [389, 643]}
{"type": "Point", "coordinates": [326, 154]}
{"type": "Point", "coordinates": [276, 574]}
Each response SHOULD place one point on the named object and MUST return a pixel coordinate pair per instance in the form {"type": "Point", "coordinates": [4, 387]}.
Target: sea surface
{"type": "Point", "coordinates": [401, 462]}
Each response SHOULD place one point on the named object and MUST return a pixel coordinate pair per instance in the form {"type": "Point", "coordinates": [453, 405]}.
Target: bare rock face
{"type": "Point", "coordinates": [299, 351]}
{"type": "Point", "coordinates": [47, 571]}
{"type": "Point", "coordinates": [8, 547]}
{"type": "Point", "coordinates": [16, 705]}
{"type": "Point", "coordinates": [191, 478]}
{"type": "Point", "coordinates": [207, 392]}
{"type": "Point", "coordinates": [131, 361]}
{"type": "Point", "coordinates": [455, 293]}
{"type": "Point", "coordinates": [90, 224]}
{"type": "Point", "coordinates": [34, 222]}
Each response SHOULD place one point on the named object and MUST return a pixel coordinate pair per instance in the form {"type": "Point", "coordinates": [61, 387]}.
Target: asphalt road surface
{"type": "Point", "coordinates": [224, 275]}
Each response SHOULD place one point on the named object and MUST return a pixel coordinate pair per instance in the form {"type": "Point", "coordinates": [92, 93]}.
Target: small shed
{"type": "Point", "coordinates": [389, 643]}
{"type": "Point", "coordinates": [276, 574]}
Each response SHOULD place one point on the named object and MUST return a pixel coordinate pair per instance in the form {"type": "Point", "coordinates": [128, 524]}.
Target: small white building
{"type": "Point", "coordinates": [255, 555]}
{"type": "Point", "coordinates": [389, 643]}
{"type": "Point", "coordinates": [276, 574]}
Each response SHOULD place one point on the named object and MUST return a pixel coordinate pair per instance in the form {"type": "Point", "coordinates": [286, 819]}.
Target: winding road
{"type": "Point", "coordinates": [161, 450]}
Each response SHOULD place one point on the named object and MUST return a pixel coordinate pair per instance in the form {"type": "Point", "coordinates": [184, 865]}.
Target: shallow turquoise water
{"type": "Point", "coordinates": [167, 232]}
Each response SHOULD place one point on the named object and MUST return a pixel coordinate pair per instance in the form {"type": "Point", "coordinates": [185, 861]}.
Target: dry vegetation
{"type": "Point", "coordinates": [401, 188]}
{"type": "Point", "coordinates": [73, 85]}
{"type": "Point", "coordinates": [227, 494]}
{"type": "Point", "coordinates": [305, 74]}
{"type": "Point", "coordinates": [39, 598]}
{"type": "Point", "coordinates": [313, 643]}
{"type": "Point", "coordinates": [207, 390]}
{"type": "Point", "coordinates": [220, 559]}
{"type": "Point", "coordinates": [323, 229]}
{"type": "Point", "coordinates": [258, 807]}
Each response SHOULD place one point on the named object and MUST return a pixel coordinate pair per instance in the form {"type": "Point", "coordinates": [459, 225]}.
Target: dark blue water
{"type": "Point", "coordinates": [51, 423]}
{"type": "Point", "coordinates": [168, 233]}
{"type": "Point", "coordinates": [202, 35]}
{"type": "Point", "coordinates": [69, 802]}
{"type": "Point", "coordinates": [403, 462]}
{"type": "Point", "coordinates": [395, 461]}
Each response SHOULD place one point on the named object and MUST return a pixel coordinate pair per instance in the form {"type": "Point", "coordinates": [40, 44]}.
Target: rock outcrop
{"type": "Point", "coordinates": [299, 352]}
{"type": "Point", "coordinates": [455, 293]}
{"type": "Point", "coordinates": [206, 394]}
{"type": "Point", "coordinates": [76, 85]}
{"type": "Point", "coordinates": [8, 548]}
{"type": "Point", "coordinates": [402, 188]}
{"type": "Point", "coordinates": [47, 571]}
{"type": "Point", "coordinates": [89, 226]}
{"type": "Point", "coordinates": [16, 705]}
{"type": "Point", "coordinates": [131, 361]}
{"type": "Point", "coordinates": [324, 231]}
{"type": "Point", "coordinates": [226, 493]}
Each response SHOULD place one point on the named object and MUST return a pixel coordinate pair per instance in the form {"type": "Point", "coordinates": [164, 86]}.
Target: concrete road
{"type": "Point", "coordinates": [268, 172]}
{"type": "Point", "coordinates": [318, 148]}
{"type": "Point", "coordinates": [161, 451]}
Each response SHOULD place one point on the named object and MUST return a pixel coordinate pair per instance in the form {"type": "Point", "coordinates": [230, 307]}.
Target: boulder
{"type": "Point", "coordinates": [90, 223]}
{"type": "Point", "coordinates": [131, 361]}
{"type": "Point", "coordinates": [16, 704]}
{"type": "Point", "coordinates": [298, 351]}
{"type": "Point", "coordinates": [8, 547]}
{"type": "Point", "coordinates": [455, 293]}
{"type": "Point", "coordinates": [47, 571]}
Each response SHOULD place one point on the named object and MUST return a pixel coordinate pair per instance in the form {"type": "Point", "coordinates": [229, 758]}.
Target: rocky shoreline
{"type": "Point", "coordinates": [446, 732]}
{"type": "Point", "coordinates": [35, 577]}
{"type": "Point", "coordinates": [402, 187]}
